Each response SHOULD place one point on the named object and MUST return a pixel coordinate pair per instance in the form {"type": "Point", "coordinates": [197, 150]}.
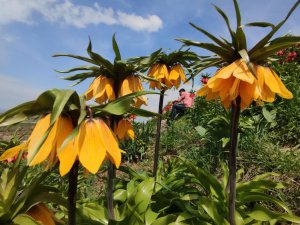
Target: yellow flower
{"type": "Point", "coordinates": [124, 129]}
{"type": "Point", "coordinates": [177, 75]}
{"type": "Point", "coordinates": [48, 151]}
{"type": "Point", "coordinates": [12, 152]}
{"type": "Point", "coordinates": [270, 84]}
{"type": "Point", "coordinates": [101, 89]}
{"type": "Point", "coordinates": [230, 82]}
{"type": "Point", "coordinates": [93, 143]}
{"type": "Point", "coordinates": [159, 72]}
{"type": "Point", "coordinates": [130, 85]}
{"type": "Point", "coordinates": [237, 80]}
{"type": "Point", "coordinates": [41, 214]}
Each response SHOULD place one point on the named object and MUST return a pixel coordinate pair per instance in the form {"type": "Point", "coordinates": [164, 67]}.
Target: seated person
{"type": "Point", "coordinates": [181, 104]}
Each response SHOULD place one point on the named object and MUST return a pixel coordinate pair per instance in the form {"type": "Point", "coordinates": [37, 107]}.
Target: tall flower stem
{"type": "Point", "coordinates": [73, 178]}
{"type": "Point", "coordinates": [110, 190]}
{"type": "Point", "coordinates": [158, 130]}
{"type": "Point", "coordinates": [111, 170]}
{"type": "Point", "coordinates": [235, 110]}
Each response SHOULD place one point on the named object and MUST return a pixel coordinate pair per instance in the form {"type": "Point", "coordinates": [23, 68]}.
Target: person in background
{"type": "Point", "coordinates": [181, 104]}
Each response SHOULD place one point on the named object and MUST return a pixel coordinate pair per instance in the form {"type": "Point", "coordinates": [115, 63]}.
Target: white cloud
{"type": "Point", "coordinates": [14, 92]}
{"type": "Point", "coordinates": [68, 13]}
{"type": "Point", "coordinates": [151, 24]}
{"type": "Point", "coordinates": [21, 11]}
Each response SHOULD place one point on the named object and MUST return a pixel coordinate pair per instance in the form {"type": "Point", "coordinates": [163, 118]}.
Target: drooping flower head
{"type": "Point", "coordinates": [243, 73]}
{"type": "Point", "coordinates": [92, 145]}
{"type": "Point", "coordinates": [177, 75]}
{"type": "Point", "coordinates": [124, 129]}
{"type": "Point", "coordinates": [132, 84]}
{"type": "Point", "coordinates": [166, 70]}
{"type": "Point", "coordinates": [101, 89]}
{"type": "Point", "coordinates": [47, 152]}
{"type": "Point", "coordinates": [159, 72]}
{"type": "Point", "coordinates": [111, 79]}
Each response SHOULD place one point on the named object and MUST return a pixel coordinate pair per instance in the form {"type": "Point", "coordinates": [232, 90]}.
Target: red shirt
{"type": "Point", "coordinates": [186, 99]}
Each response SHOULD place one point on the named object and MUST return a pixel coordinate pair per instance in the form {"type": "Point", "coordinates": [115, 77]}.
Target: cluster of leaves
{"type": "Point", "coordinates": [288, 117]}
{"type": "Point", "coordinates": [21, 189]}
{"type": "Point", "coordinates": [135, 149]}
{"type": "Point", "coordinates": [187, 194]}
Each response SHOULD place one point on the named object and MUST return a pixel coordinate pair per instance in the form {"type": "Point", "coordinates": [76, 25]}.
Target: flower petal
{"type": "Point", "coordinates": [67, 157]}
{"type": "Point", "coordinates": [284, 92]}
{"type": "Point", "coordinates": [243, 73]}
{"type": "Point", "coordinates": [11, 152]}
{"type": "Point", "coordinates": [111, 144]}
{"type": "Point", "coordinates": [91, 148]}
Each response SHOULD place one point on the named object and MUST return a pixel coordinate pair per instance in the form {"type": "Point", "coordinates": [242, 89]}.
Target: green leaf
{"type": "Point", "coordinates": [120, 195]}
{"type": "Point", "coordinates": [93, 68]}
{"type": "Point", "coordinates": [150, 216]}
{"type": "Point", "coordinates": [94, 212]}
{"type": "Point", "coordinates": [238, 14]}
{"type": "Point", "coordinates": [24, 219]}
{"type": "Point", "coordinates": [225, 141]}
{"type": "Point", "coordinates": [238, 218]}
{"type": "Point", "coordinates": [224, 54]}
{"type": "Point", "coordinates": [260, 213]}
{"type": "Point", "coordinates": [143, 112]}
{"type": "Point", "coordinates": [216, 40]}
{"type": "Point", "coordinates": [257, 185]}
{"type": "Point", "coordinates": [116, 48]}
{"type": "Point", "coordinates": [258, 196]}
{"type": "Point", "coordinates": [165, 220]}
{"type": "Point", "coordinates": [15, 114]}
{"type": "Point", "coordinates": [265, 40]}
{"type": "Point", "coordinates": [220, 11]}
{"type": "Point", "coordinates": [190, 197]}
{"type": "Point", "coordinates": [143, 195]}
{"type": "Point", "coordinates": [211, 209]}
{"type": "Point", "coordinates": [201, 130]}
{"type": "Point", "coordinates": [262, 53]}
{"type": "Point", "coordinates": [61, 99]}
{"type": "Point", "coordinates": [268, 115]}
{"type": "Point", "coordinates": [122, 104]}
{"type": "Point", "coordinates": [76, 57]}
{"type": "Point", "coordinates": [99, 59]}
{"type": "Point", "coordinates": [241, 39]}
{"type": "Point", "coordinates": [14, 119]}
{"type": "Point", "coordinates": [285, 39]}
{"type": "Point", "coordinates": [184, 216]}
{"type": "Point", "coordinates": [260, 24]}
{"type": "Point", "coordinates": [81, 76]}
{"type": "Point", "coordinates": [291, 218]}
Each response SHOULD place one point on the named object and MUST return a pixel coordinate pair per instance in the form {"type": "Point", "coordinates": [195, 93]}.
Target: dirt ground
{"type": "Point", "coordinates": [21, 130]}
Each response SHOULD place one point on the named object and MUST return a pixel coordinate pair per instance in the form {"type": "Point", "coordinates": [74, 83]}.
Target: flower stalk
{"type": "Point", "coordinates": [73, 178]}
{"type": "Point", "coordinates": [158, 131]}
{"type": "Point", "coordinates": [111, 170]}
{"type": "Point", "coordinates": [110, 190]}
{"type": "Point", "coordinates": [235, 110]}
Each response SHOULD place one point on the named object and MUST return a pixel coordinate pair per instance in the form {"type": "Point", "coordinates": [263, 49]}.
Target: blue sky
{"type": "Point", "coordinates": [31, 31]}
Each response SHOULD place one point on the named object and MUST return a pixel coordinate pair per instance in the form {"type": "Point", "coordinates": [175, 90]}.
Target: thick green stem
{"type": "Point", "coordinates": [110, 190]}
{"type": "Point", "coordinates": [157, 138]}
{"type": "Point", "coordinates": [235, 110]}
{"type": "Point", "coordinates": [111, 170]}
{"type": "Point", "coordinates": [73, 177]}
